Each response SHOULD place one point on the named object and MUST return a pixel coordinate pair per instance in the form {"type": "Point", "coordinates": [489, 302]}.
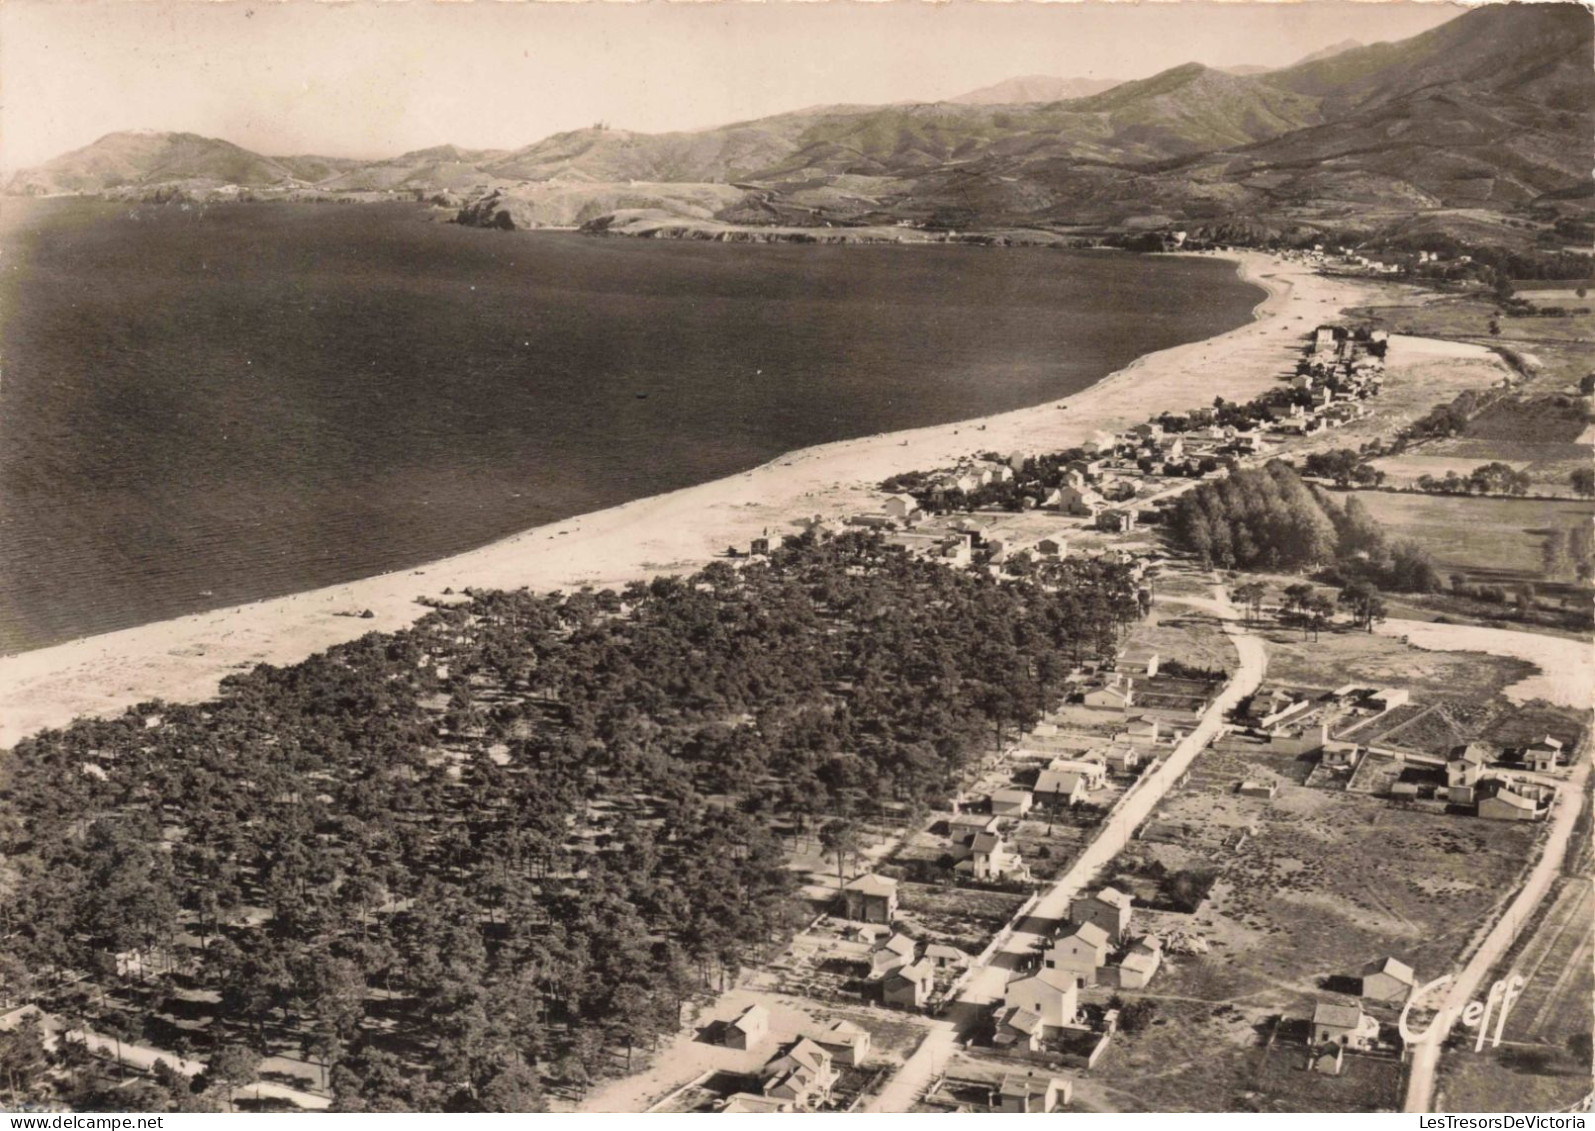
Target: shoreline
{"type": "Point", "coordinates": [184, 659]}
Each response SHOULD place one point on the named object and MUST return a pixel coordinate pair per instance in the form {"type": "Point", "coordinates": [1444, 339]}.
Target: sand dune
{"type": "Point", "coordinates": [183, 659]}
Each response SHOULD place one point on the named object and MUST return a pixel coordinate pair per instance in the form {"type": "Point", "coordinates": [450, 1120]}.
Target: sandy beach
{"type": "Point", "coordinates": [183, 659]}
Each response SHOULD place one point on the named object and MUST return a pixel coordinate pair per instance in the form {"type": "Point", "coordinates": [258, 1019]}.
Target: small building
{"type": "Point", "coordinates": [1052, 547]}
{"type": "Point", "coordinates": [897, 952]}
{"type": "Point", "coordinates": [1060, 788]}
{"type": "Point", "coordinates": [1341, 755]}
{"type": "Point", "coordinates": [990, 858]}
{"type": "Point", "coordinates": [1114, 694]}
{"type": "Point", "coordinates": [1463, 772]}
{"type": "Point", "coordinates": [803, 1075]}
{"type": "Point", "coordinates": [1389, 698]}
{"type": "Point", "coordinates": [945, 957]}
{"type": "Point", "coordinates": [1117, 521]}
{"type": "Point", "coordinates": [1052, 995]}
{"type": "Point", "coordinates": [847, 1043]}
{"type": "Point", "coordinates": [956, 551]}
{"type": "Point", "coordinates": [1508, 804]}
{"type": "Point", "coordinates": [1327, 1059]}
{"type": "Point", "coordinates": [1298, 741]}
{"type": "Point", "coordinates": [1079, 953]}
{"type": "Point", "coordinates": [749, 1103]}
{"type": "Point", "coordinates": [759, 548]}
{"type": "Point", "coordinates": [1465, 765]}
{"type": "Point", "coordinates": [1011, 802]}
{"type": "Point", "coordinates": [1124, 759]}
{"type": "Point", "coordinates": [968, 824]}
{"type": "Point", "coordinates": [900, 507]}
{"type": "Point", "coordinates": [747, 1029]}
{"type": "Point", "coordinates": [1017, 1028]}
{"type": "Point", "coordinates": [1387, 979]}
{"type": "Point", "coordinates": [871, 899]}
{"type": "Point", "coordinates": [1145, 730]}
{"type": "Point", "coordinates": [1268, 704]}
{"type": "Point", "coordinates": [1543, 755]}
{"type": "Point", "coordinates": [1108, 909]}
{"type": "Point", "coordinates": [1264, 789]}
{"type": "Point", "coordinates": [1142, 661]}
{"type": "Point", "coordinates": [1341, 1024]}
{"type": "Point", "coordinates": [1077, 501]}
{"type": "Point", "coordinates": [910, 987]}
{"type": "Point", "coordinates": [1032, 1092]}
{"type": "Point", "coordinates": [1092, 769]}
{"type": "Point", "coordinates": [1136, 968]}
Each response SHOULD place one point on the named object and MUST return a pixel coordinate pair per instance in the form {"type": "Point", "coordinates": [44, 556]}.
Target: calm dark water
{"type": "Point", "coordinates": [258, 399]}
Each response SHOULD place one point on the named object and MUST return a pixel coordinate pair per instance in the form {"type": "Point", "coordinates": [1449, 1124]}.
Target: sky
{"type": "Point", "coordinates": [371, 78]}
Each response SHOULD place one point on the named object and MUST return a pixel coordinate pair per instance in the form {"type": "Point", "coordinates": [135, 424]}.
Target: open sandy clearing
{"type": "Point", "coordinates": [1567, 667]}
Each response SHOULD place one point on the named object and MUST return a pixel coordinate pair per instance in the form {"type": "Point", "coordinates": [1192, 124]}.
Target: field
{"type": "Point", "coordinates": [1499, 539]}
{"type": "Point", "coordinates": [1378, 661]}
{"type": "Point", "coordinates": [1534, 421]}
{"type": "Point", "coordinates": [1181, 633]}
{"type": "Point", "coordinates": [1510, 1079]}
{"type": "Point", "coordinates": [1535, 1068]}
{"type": "Point", "coordinates": [1405, 470]}
{"type": "Point", "coordinates": [1324, 882]}
{"type": "Point", "coordinates": [1555, 960]}
{"type": "Point", "coordinates": [1558, 346]}
{"type": "Point", "coordinates": [1329, 880]}
{"type": "Point", "coordinates": [1197, 1056]}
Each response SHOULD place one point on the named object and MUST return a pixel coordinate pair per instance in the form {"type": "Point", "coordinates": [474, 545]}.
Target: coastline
{"type": "Point", "coordinates": [184, 659]}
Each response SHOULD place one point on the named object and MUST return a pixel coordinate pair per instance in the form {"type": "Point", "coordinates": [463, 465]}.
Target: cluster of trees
{"type": "Point", "coordinates": [501, 848]}
{"type": "Point", "coordinates": [1269, 519]}
{"type": "Point", "coordinates": [1582, 480]}
{"type": "Point", "coordinates": [1445, 420]}
{"type": "Point", "coordinates": [1487, 479]}
{"type": "Point", "coordinates": [1255, 519]}
{"type": "Point", "coordinates": [1344, 467]}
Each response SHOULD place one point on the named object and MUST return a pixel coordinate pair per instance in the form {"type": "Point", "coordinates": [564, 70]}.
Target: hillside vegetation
{"type": "Point", "coordinates": [1489, 114]}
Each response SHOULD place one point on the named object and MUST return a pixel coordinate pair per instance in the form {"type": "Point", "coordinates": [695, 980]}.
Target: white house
{"type": "Point", "coordinates": [900, 506]}
{"type": "Point", "coordinates": [1108, 909]}
{"type": "Point", "coordinates": [1543, 754]}
{"type": "Point", "coordinates": [1092, 770]}
{"type": "Point", "coordinates": [1079, 952]}
{"type": "Point", "coordinates": [1052, 995]}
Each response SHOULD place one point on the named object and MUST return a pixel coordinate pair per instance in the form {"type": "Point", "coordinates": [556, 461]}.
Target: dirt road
{"type": "Point", "coordinates": [1467, 987]}
{"type": "Point", "coordinates": [986, 980]}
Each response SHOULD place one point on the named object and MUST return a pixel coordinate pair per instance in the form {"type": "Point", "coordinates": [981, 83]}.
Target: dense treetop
{"type": "Point", "coordinates": [492, 849]}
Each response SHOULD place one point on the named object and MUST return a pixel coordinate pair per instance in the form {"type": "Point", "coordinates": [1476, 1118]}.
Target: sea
{"type": "Point", "coordinates": [206, 405]}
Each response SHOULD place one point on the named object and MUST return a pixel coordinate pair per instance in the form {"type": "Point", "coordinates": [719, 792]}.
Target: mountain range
{"type": "Point", "coordinates": [1488, 113]}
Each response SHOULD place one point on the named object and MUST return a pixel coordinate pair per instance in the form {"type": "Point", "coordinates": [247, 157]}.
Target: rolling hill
{"type": "Point", "coordinates": [149, 157]}
{"type": "Point", "coordinates": [1492, 110]}
{"type": "Point", "coordinates": [1034, 88]}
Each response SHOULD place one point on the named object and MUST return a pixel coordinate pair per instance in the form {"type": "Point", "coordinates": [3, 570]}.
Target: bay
{"type": "Point", "coordinates": [206, 406]}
